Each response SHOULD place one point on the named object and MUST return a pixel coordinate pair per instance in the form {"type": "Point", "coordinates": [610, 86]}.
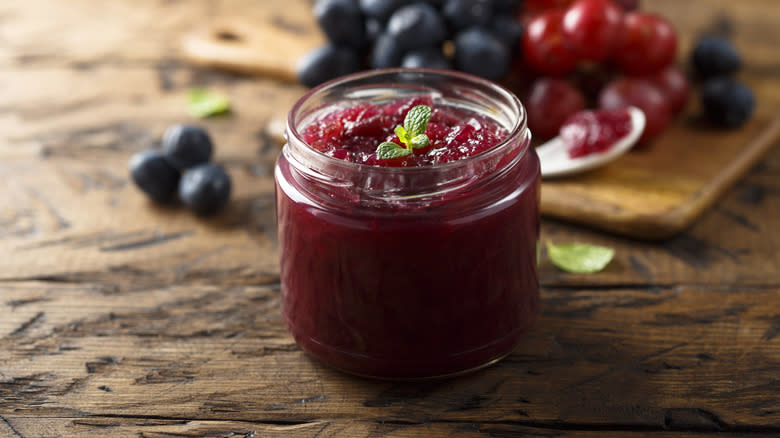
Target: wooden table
{"type": "Point", "coordinates": [120, 318]}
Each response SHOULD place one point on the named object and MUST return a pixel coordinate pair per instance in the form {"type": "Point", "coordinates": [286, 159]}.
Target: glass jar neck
{"type": "Point", "coordinates": [370, 184]}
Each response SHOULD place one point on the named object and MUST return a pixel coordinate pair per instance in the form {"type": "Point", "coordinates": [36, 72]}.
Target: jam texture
{"type": "Point", "coordinates": [353, 133]}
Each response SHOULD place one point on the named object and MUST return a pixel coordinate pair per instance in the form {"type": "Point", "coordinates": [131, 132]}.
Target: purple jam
{"type": "Point", "coordinates": [589, 132]}
{"type": "Point", "coordinates": [408, 287]}
{"type": "Point", "coordinates": [353, 133]}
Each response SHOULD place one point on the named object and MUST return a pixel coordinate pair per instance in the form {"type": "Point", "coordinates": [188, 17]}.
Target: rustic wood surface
{"type": "Point", "coordinates": [122, 318]}
{"type": "Point", "coordinates": [651, 193]}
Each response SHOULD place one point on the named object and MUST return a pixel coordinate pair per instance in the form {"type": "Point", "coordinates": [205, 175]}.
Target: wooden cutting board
{"type": "Point", "coordinates": [650, 193]}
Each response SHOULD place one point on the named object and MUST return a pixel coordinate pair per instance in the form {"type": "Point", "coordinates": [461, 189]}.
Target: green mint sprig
{"type": "Point", "coordinates": [412, 135]}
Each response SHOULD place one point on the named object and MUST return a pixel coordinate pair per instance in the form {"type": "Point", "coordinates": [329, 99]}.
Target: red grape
{"type": "Point", "coordinates": [531, 8]}
{"type": "Point", "coordinates": [544, 45]}
{"type": "Point", "coordinates": [549, 104]}
{"type": "Point", "coordinates": [648, 44]}
{"type": "Point", "coordinates": [592, 28]}
{"type": "Point", "coordinates": [642, 94]}
{"type": "Point", "coordinates": [674, 85]}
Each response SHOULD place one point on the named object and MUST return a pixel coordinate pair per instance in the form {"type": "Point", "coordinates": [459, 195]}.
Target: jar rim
{"type": "Point", "coordinates": [518, 130]}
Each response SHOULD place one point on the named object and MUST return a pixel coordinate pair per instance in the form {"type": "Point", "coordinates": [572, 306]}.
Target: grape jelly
{"type": "Point", "coordinates": [408, 270]}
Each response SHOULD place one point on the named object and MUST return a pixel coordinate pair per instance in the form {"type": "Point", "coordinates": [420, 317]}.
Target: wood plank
{"type": "Point", "coordinates": [682, 358]}
{"type": "Point", "coordinates": [34, 427]}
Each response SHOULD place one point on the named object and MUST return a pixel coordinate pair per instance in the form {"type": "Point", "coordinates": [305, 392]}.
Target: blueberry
{"type": "Point", "coordinates": [205, 188]}
{"type": "Point", "coordinates": [508, 30]}
{"type": "Point", "coordinates": [374, 28]}
{"type": "Point", "coordinates": [387, 52]}
{"type": "Point", "coordinates": [382, 9]}
{"type": "Point", "coordinates": [461, 14]}
{"type": "Point", "coordinates": [425, 58]}
{"type": "Point", "coordinates": [154, 174]}
{"type": "Point", "coordinates": [342, 22]}
{"type": "Point", "coordinates": [726, 102]}
{"type": "Point", "coordinates": [480, 53]}
{"type": "Point", "coordinates": [416, 26]}
{"type": "Point", "coordinates": [715, 56]}
{"type": "Point", "coordinates": [326, 63]}
{"type": "Point", "coordinates": [186, 146]}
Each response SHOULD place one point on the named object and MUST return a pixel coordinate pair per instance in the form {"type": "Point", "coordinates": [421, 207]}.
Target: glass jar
{"type": "Point", "coordinates": [409, 272]}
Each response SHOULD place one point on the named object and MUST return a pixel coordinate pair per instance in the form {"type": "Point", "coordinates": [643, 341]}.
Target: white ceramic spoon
{"type": "Point", "coordinates": [554, 155]}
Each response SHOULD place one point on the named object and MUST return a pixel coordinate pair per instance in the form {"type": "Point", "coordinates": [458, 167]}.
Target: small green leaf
{"type": "Point", "coordinates": [420, 141]}
{"type": "Point", "coordinates": [416, 120]}
{"type": "Point", "coordinates": [580, 258]}
{"type": "Point", "coordinates": [402, 134]}
{"type": "Point", "coordinates": [389, 150]}
{"type": "Point", "coordinates": [203, 103]}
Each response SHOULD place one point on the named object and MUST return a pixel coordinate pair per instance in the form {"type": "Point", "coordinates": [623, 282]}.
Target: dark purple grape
{"type": "Point", "coordinates": [508, 30]}
{"type": "Point", "coordinates": [382, 9]}
{"type": "Point", "coordinates": [462, 14]}
{"type": "Point", "coordinates": [342, 22]}
{"type": "Point", "coordinates": [478, 52]}
{"type": "Point", "coordinates": [425, 58]}
{"type": "Point", "coordinates": [326, 63]}
{"type": "Point", "coordinates": [416, 26]}
{"type": "Point", "coordinates": [387, 53]}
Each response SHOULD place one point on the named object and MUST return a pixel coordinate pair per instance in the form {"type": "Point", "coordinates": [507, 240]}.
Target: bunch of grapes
{"type": "Point", "coordinates": [602, 53]}
{"type": "Point", "coordinates": [564, 55]}
{"type": "Point", "coordinates": [475, 36]}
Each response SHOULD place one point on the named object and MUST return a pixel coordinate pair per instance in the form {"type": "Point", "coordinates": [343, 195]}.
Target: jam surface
{"type": "Point", "coordinates": [589, 132]}
{"type": "Point", "coordinates": [353, 133]}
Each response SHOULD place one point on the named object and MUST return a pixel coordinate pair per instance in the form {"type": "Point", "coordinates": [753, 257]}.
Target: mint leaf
{"type": "Point", "coordinates": [402, 134]}
{"type": "Point", "coordinates": [580, 258]}
{"type": "Point", "coordinates": [389, 150]}
{"type": "Point", "coordinates": [416, 120]}
{"type": "Point", "coordinates": [412, 134]}
{"type": "Point", "coordinates": [420, 141]}
{"type": "Point", "coordinates": [203, 103]}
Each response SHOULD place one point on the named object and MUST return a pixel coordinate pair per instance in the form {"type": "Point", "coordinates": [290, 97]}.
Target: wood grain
{"type": "Point", "coordinates": [656, 359]}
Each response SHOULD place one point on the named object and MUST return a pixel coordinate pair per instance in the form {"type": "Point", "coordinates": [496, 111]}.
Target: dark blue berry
{"type": "Point", "coordinates": [462, 14]}
{"type": "Point", "coordinates": [416, 26]}
{"type": "Point", "coordinates": [186, 146]}
{"type": "Point", "coordinates": [387, 52]}
{"type": "Point", "coordinates": [205, 188]}
{"type": "Point", "coordinates": [154, 174]}
{"type": "Point", "coordinates": [425, 58]}
{"type": "Point", "coordinates": [715, 56]}
{"type": "Point", "coordinates": [382, 9]}
{"type": "Point", "coordinates": [326, 63]}
{"type": "Point", "coordinates": [726, 102]}
{"type": "Point", "coordinates": [508, 30]}
{"type": "Point", "coordinates": [374, 28]}
{"type": "Point", "coordinates": [342, 22]}
{"type": "Point", "coordinates": [480, 53]}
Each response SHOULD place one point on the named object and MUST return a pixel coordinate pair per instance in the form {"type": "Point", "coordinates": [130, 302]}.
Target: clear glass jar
{"type": "Point", "coordinates": [410, 272]}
